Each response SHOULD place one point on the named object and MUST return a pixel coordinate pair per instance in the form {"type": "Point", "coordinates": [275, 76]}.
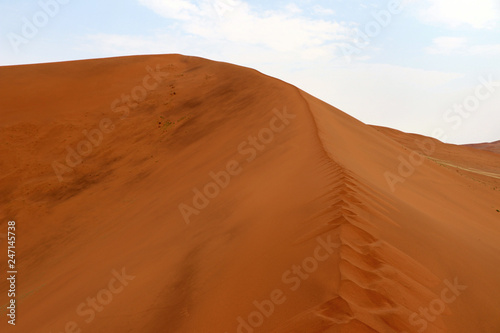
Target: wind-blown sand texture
{"type": "Point", "coordinates": [320, 179]}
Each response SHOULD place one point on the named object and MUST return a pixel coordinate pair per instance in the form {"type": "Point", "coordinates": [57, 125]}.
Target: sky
{"type": "Point", "coordinates": [422, 66]}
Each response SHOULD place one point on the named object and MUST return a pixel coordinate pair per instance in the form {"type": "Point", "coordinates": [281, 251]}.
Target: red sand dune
{"type": "Point", "coordinates": [301, 218]}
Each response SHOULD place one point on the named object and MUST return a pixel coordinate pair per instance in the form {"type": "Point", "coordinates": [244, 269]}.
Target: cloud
{"type": "Point", "coordinates": [234, 21]}
{"type": "Point", "coordinates": [479, 14]}
{"type": "Point", "coordinates": [447, 45]}
{"type": "Point", "coordinates": [175, 9]}
{"type": "Point", "coordinates": [461, 46]}
{"type": "Point", "coordinates": [293, 8]}
{"type": "Point", "coordinates": [320, 10]}
{"type": "Point", "coordinates": [485, 49]}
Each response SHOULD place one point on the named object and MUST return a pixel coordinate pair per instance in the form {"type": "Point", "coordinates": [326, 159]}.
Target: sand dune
{"type": "Point", "coordinates": [492, 146]}
{"type": "Point", "coordinates": [176, 194]}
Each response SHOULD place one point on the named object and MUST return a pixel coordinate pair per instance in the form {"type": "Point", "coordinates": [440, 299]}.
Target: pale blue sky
{"type": "Point", "coordinates": [420, 61]}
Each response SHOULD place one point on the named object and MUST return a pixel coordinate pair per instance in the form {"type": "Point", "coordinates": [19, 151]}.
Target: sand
{"type": "Point", "coordinates": [492, 146]}
{"type": "Point", "coordinates": [224, 200]}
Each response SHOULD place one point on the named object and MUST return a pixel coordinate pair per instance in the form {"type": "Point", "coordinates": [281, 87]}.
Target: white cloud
{"type": "Point", "coordinates": [323, 11]}
{"type": "Point", "coordinates": [447, 45]}
{"type": "Point", "coordinates": [176, 9]}
{"type": "Point", "coordinates": [485, 49]}
{"type": "Point", "coordinates": [293, 8]}
{"type": "Point", "coordinates": [478, 14]}
{"type": "Point", "coordinates": [461, 46]}
{"type": "Point", "coordinates": [235, 21]}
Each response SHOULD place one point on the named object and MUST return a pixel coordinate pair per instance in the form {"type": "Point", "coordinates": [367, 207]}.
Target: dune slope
{"type": "Point", "coordinates": [176, 194]}
{"type": "Point", "coordinates": [492, 146]}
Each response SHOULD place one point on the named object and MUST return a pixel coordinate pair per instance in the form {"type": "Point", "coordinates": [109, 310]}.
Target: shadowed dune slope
{"type": "Point", "coordinates": [492, 146]}
{"type": "Point", "coordinates": [176, 194]}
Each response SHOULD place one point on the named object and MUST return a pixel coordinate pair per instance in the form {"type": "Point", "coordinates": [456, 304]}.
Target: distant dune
{"type": "Point", "coordinates": [176, 194]}
{"type": "Point", "coordinates": [492, 146]}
